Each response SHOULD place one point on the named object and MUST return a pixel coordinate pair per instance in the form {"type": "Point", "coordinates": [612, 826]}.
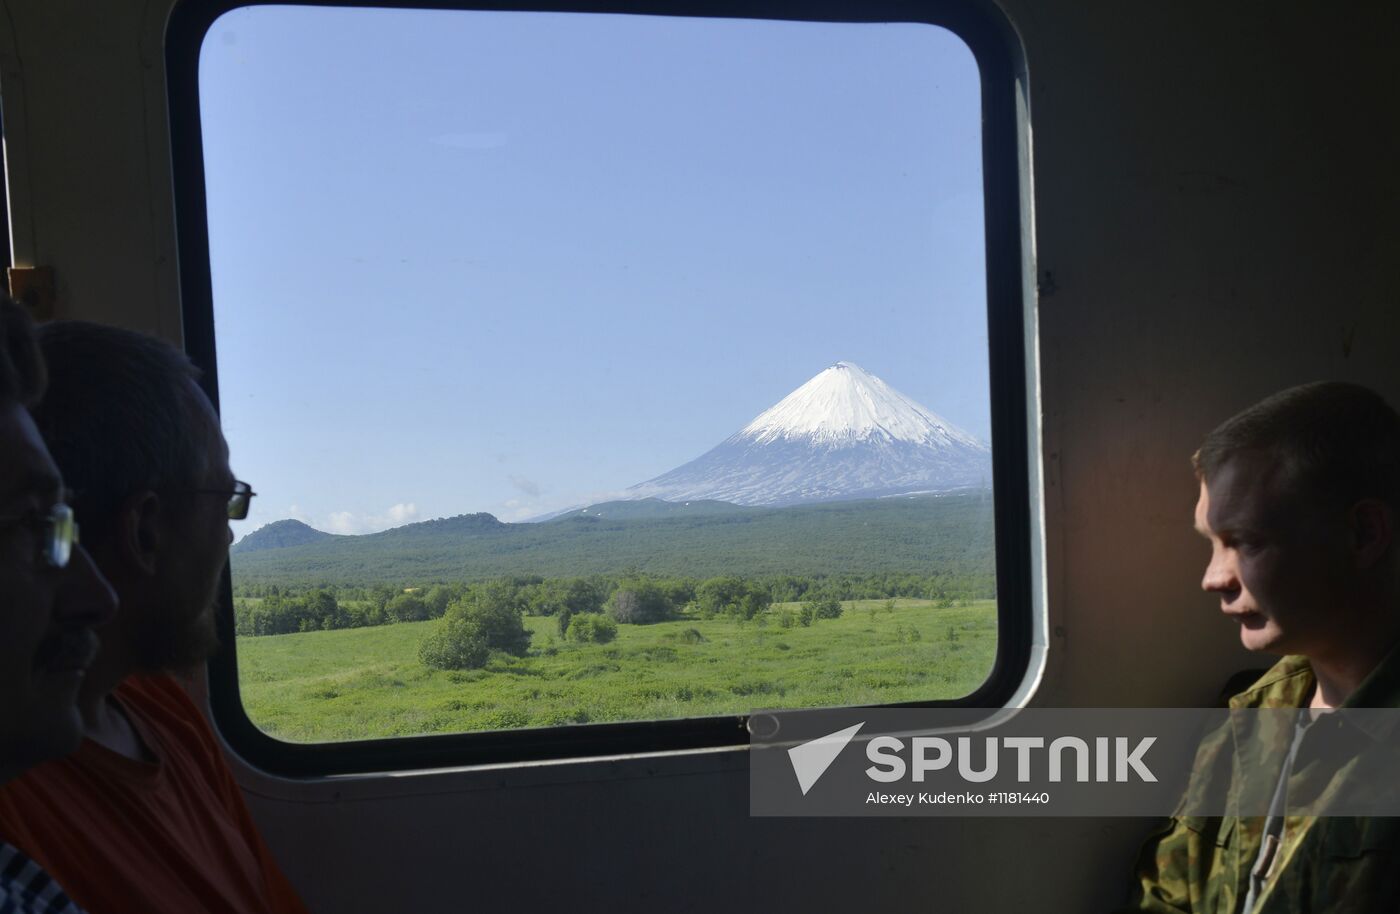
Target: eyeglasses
{"type": "Point", "coordinates": [58, 532]}
{"type": "Point", "coordinates": [238, 499]}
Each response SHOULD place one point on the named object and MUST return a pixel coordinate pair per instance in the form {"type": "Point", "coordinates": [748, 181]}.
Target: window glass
{"type": "Point", "coordinates": [596, 368]}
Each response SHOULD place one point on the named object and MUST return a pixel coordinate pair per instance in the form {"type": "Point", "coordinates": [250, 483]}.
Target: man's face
{"type": "Point", "coordinates": [47, 613]}
{"type": "Point", "coordinates": [182, 633]}
{"type": "Point", "coordinates": [1278, 558]}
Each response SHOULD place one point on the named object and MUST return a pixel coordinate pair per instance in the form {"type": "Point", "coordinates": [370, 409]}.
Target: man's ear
{"type": "Point", "coordinates": [139, 531]}
{"type": "Point", "coordinates": [1372, 531]}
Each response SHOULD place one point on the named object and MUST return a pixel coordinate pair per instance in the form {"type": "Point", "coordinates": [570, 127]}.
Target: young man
{"type": "Point", "coordinates": [1299, 499]}
{"type": "Point", "coordinates": [51, 596]}
{"type": "Point", "coordinates": [146, 815]}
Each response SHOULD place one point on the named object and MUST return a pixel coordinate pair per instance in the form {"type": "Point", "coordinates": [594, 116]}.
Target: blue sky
{"type": "Point", "coordinates": [515, 262]}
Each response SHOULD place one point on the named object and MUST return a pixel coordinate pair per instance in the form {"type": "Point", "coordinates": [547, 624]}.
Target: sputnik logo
{"type": "Point", "coordinates": [811, 759]}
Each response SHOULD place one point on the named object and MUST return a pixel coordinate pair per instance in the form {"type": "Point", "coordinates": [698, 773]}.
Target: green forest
{"type": "Point", "coordinates": [934, 534]}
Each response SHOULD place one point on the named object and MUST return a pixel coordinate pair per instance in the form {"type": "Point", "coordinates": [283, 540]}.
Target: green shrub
{"type": "Point", "coordinates": [819, 608]}
{"type": "Point", "coordinates": [506, 719]}
{"type": "Point", "coordinates": [487, 620]}
{"type": "Point", "coordinates": [437, 600]}
{"type": "Point", "coordinates": [732, 596]}
{"type": "Point", "coordinates": [562, 596]}
{"type": "Point", "coordinates": [407, 607]}
{"type": "Point", "coordinates": [592, 628]}
{"type": "Point", "coordinates": [639, 602]}
{"type": "Point", "coordinates": [459, 644]}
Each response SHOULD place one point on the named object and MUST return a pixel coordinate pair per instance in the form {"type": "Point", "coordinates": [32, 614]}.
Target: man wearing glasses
{"type": "Point", "coordinates": [51, 597]}
{"type": "Point", "coordinates": [146, 815]}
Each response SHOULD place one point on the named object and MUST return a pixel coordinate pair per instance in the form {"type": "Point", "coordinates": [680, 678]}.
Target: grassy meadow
{"type": "Point", "coordinates": [362, 683]}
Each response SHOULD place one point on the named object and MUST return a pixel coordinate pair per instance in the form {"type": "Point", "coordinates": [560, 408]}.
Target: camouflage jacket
{"type": "Point", "coordinates": [1340, 865]}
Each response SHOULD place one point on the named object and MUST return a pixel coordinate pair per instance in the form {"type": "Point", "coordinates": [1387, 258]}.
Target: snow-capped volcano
{"type": "Point", "coordinates": [846, 403]}
{"type": "Point", "coordinates": [843, 434]}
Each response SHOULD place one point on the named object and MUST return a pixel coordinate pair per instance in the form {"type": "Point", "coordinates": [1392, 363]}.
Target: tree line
{"type": "Point", "coordinates": [586, 608]}
{"type": "Point", "coordinates": [489, 618]}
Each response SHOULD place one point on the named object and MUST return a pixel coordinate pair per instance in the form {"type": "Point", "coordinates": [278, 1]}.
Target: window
{"type": "Point", "coordinates": [602, 377]}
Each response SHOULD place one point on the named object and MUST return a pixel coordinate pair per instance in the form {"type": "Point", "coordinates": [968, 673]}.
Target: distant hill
{"type": "Point", "coordinates": [279, 535]}
{"type": "Point", "coordinates": [652, 508]}
{"type": "Point", "coordinates": [926, 534]}
{"type": "Point", "coordinates": [462, 524]}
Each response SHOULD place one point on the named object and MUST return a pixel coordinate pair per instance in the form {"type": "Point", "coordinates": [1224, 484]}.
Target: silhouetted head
{"type": "Point", "coordinates": [140, 445]}
{"type": "Point", "coordinates": [1298, 499]}
{"type": "Point", "coordinates": [53, 594]}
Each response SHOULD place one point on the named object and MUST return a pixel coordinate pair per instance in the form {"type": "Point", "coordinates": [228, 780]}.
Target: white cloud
{"type": "Point", "coordinates": [341, 522]}
{"type": "Point", "coordinates": [349, 522]}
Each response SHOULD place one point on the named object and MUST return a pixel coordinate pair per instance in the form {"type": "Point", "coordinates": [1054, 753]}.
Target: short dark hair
{"type": "Point", "coordinates": [1337, 440]}
{"type": "Point", "coordinates": [22, 373]}
{"type": "Point", "coordinates": [122, 414]}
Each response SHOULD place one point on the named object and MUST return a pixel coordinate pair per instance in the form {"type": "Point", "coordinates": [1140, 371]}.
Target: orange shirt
{"type": "Point", "coordinates": [171, 836]}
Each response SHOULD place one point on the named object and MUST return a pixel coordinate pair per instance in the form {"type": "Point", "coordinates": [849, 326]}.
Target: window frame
{"type": "Point", "coordinates": [6, 241]}
{"type": "Point", "coordinates": [992, 41]}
